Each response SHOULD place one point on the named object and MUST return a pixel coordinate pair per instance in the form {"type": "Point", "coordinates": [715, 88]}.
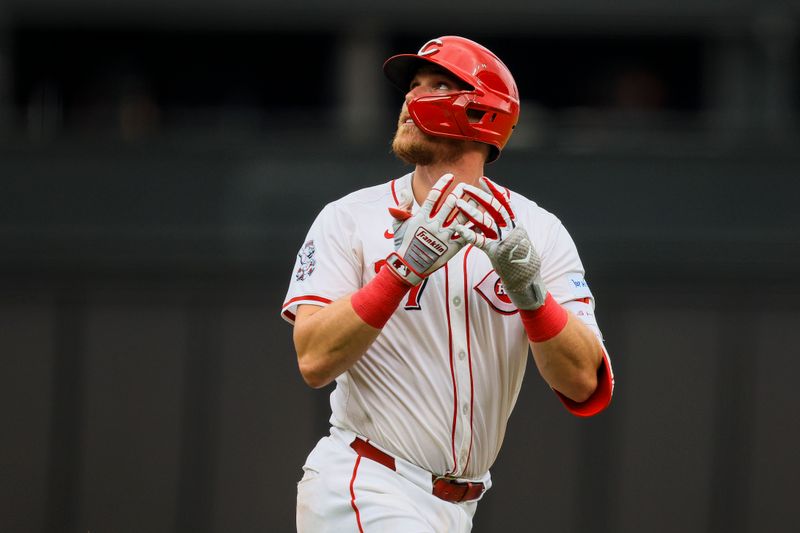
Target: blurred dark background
{"type": "Point", "coordinates": [160, 163]}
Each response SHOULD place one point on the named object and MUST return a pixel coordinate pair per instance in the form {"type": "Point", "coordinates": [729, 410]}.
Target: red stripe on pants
{"type": "Point", "coordinates": [353, 495]}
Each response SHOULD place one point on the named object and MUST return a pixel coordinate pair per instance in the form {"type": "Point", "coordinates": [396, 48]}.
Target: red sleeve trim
{"type": "Point", "coordinates": [306, 297]}
{"type": "Point", "coordinates": [600, 398]}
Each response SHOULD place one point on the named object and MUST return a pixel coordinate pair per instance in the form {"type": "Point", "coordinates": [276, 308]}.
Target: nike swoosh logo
{"type": "Point", "coordinates": [388, 235]}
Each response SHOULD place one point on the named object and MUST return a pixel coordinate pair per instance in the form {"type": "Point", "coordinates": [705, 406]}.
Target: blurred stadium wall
{"type": "Point", "coordinates": [160, 163]}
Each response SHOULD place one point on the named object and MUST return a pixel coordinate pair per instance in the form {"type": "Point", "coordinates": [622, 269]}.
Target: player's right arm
{"type": "Point", "coordinates": [329, 340]}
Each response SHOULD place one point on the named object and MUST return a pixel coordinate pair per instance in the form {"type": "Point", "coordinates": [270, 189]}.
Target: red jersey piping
{"type": "Point", "coordinates": [469, 356]}
{"type": "Point", "coordinates": [452, 368]}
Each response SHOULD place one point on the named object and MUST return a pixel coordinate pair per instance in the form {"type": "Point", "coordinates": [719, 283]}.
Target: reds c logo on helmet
{"type": "Point", "coordinates": [486, 112]}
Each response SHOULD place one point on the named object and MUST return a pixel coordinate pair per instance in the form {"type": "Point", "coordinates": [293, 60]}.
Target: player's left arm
{"type": "Point", "coordinates": [569, 355]}
{"type": "Point", "coordinates": [572, 359]}
{"type": "Point", "coordinates": [568, 361]}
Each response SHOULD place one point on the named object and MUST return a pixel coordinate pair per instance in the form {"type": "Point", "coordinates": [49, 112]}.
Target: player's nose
{"type": "Point", "coordinates": [413, 93]}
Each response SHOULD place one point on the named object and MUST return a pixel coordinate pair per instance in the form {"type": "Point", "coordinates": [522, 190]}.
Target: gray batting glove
{"type": "Point", "coordinates": [512, 255]}
{"type": "Point", "coordinates": [425, 241]}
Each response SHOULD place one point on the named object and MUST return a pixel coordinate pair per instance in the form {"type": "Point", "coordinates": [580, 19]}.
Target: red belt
{"type": "Point", "coordinates": [449, 490]}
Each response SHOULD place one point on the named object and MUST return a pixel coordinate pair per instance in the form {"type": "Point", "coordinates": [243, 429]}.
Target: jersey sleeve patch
{"type": "Point", "coordinates": [577, 286]}
{"type": "Point", "coordinates": [307, 261]}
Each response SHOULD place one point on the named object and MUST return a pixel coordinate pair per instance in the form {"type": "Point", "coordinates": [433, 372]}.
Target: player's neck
{"type": "Point", "coordinates": [465, 170]}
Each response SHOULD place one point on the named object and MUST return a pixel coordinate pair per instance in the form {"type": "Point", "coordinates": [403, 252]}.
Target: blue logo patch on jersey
{"type": "Point", "coordinates": [307, 261]}
{"type": "Point", "coordinates": [578, 286]}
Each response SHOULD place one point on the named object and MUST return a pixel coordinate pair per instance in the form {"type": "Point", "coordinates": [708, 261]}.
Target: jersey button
{"type": "Point", "coordinates": [457, 301]}
{"type": "Point", "coordinates": [465, 408]}
{"type": "Point", "coordinates": [462, 354]}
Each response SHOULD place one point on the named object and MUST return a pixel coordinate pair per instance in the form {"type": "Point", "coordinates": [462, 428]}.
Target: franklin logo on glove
{"type": "Point", "coordinates": [435, 245]}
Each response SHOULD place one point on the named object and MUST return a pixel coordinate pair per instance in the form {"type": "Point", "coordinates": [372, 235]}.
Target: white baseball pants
{"type": "Point", "coordinates": [341, 492]}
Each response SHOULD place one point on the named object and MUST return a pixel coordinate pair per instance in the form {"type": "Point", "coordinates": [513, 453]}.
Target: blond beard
{"type": "Point", "coordinates": [419, 148]}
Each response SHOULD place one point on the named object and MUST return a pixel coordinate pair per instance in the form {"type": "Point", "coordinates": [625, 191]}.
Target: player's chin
{"type": "Point", "coordinates": [412, 151]}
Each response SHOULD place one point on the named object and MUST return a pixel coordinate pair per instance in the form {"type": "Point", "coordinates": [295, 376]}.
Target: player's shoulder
{"type": "Point", "coordinates": [527, 208]}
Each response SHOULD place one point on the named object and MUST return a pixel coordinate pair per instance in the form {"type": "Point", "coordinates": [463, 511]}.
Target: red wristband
{"type": "Point", "coordinates": [546, 322]}
{"type": "Point", "coordinates": [377, 301]}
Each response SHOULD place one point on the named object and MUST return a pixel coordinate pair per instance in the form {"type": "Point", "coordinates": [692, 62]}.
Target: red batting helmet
{"type": "Point", "coordinates": [492, 97]}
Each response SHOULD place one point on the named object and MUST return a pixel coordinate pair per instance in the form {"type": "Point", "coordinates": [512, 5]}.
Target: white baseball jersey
{"type": "Point", "coordinates": [438, 385]}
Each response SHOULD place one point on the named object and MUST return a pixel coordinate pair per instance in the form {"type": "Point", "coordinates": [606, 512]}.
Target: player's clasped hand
{"type": "Point", "coordinates": [425, 241]}
{"type": "Point", "coordinates": [512, 254]}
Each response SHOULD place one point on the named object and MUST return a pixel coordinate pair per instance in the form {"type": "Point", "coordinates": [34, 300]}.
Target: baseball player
{"type": "Point", "coordinates": [420, 297]}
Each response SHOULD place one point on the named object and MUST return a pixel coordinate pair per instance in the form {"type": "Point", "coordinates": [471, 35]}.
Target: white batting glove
{"type": "Point", "coordinates": [512, 255]}
{"type": "Point", "coordinates": [425, 241]}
